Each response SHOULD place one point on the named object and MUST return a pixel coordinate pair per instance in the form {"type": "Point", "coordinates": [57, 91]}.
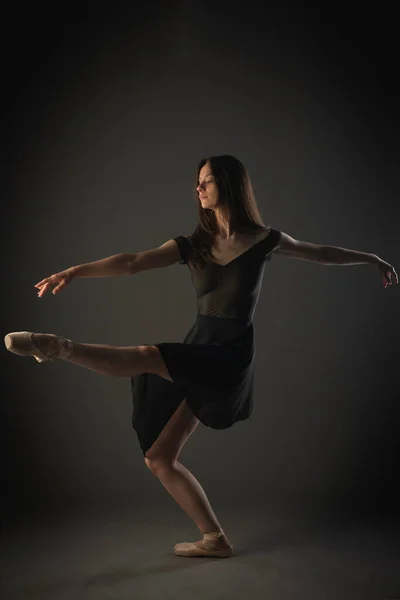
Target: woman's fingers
{"type": "Point", "coordinates": [59, 287]}
{"type": "Point", "coordinates": [390, 276]}
{"type": "Point", "coordinates": [44, 284]}
{"type": "Point", "coordinates": [41, 283]}
{"type": "Point", "coordinates": [46, 280]}
{"type": "Point", "coordinates": [43, 290]}
{"type": "Point", "coordinates": [58, 279]}
{"type": "Point", "coordinates": [58, 283]}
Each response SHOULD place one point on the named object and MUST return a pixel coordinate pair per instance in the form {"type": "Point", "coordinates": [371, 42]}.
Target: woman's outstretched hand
{"type": "Point", "coordinates": [388, 272]}
{"type": "Point", "coordinates": [58, 281]}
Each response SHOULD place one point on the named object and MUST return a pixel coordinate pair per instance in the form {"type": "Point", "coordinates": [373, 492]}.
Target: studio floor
{"type": "Point", "coordinates": [127, 554]}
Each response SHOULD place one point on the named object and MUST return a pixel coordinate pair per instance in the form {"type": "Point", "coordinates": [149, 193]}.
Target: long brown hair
{"type": "Point", "coordinates": [237, 201]}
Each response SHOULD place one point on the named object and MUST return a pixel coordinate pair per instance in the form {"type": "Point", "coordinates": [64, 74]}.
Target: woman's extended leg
{"type": "Point", "coordinates": [117, 361]}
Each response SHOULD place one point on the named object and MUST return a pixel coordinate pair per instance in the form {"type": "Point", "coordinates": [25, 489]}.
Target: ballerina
{"type": "Point", "coordinates": [208, 377]}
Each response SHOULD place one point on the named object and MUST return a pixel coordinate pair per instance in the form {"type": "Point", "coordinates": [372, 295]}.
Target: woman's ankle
{"type": "Point", "coordinates": [53, 346]}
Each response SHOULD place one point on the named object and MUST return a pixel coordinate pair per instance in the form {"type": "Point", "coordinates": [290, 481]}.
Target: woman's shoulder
{"type": "Point", "coordinates": [256, 234]}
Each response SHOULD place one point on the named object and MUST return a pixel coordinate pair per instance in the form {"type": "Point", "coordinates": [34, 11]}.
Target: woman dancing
{"type": "Point", "coordinates": [209, 376]}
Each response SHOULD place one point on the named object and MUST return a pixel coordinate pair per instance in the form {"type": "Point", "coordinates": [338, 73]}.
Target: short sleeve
{"type": "Point", "coordinates": [184, 248]}
{"type": "Point", "coordinates": [272, 241]}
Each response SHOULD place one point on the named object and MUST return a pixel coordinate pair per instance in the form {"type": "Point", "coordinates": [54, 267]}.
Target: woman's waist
{"type": "Point", "coordinates": [219, 330]}
{"type": "Point", "coordinates": [225, 321]}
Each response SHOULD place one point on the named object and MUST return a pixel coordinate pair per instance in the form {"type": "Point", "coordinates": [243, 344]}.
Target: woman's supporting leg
{"type": "Point", "coordinates": [187, 492]}
{"type": "Point", "coordinates": [181, 484]}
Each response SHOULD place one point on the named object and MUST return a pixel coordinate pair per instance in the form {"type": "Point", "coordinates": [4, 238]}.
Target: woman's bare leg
{"type": "Point", "coordinates": [185, 489]}
{"type": "Point", "coordinates": [117, 361]}
{"type": "Point", "coordinates": [179, 482]}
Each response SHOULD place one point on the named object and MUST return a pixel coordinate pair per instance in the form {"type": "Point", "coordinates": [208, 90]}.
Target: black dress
{"type": "Point", "coordinates": [213, 368]}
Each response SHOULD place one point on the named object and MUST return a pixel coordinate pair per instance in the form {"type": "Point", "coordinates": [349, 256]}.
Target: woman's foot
{"type": "Point", "coordinates": [42, 346]}
{"type": "Point", "coordinates": [214, 544]}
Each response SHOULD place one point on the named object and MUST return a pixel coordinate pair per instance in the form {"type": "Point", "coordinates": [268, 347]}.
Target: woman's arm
{"type": "Point", "coordinates": [117, 264]}
{"type": "Point", "coordinates": [333, 255]}
{"type": "Point", "coordinates": [112, 266]}
{"type": "Point", "coordinates": [328, 255]}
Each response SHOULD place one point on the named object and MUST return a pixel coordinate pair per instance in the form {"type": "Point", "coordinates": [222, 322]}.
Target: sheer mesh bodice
{"type": "Point", "coordinates": [230, 290]}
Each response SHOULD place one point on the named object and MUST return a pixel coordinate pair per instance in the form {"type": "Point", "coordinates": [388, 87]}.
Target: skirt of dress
{"type": "Point", "coordinates": [213, 368]}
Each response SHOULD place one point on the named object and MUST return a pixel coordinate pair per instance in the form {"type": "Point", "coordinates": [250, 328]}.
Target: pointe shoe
{"type": "Point", "coordinates": [21, 342]}
{"type": "Point", "coordinates": [206, 547]}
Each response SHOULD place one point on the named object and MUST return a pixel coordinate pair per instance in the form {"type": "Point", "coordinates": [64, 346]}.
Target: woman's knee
{"type": "Point", "coordinates": [159, 466]}
{"type": "Point", "coordinates": [164, 452]}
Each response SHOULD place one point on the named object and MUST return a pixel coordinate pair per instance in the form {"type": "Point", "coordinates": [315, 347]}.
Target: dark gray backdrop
{"type": "Point", "coordinates": [109, 114]}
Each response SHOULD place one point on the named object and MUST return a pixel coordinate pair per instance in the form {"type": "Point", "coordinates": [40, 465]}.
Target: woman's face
{"type": "Point", "coordinates": [207, 188]}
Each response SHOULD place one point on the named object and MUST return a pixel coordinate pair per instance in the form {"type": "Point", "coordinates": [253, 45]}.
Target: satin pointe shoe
{"type": "Point", "coordinates": [21, 342]}
{"type": "Point", "coordinates": [208, 546]}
